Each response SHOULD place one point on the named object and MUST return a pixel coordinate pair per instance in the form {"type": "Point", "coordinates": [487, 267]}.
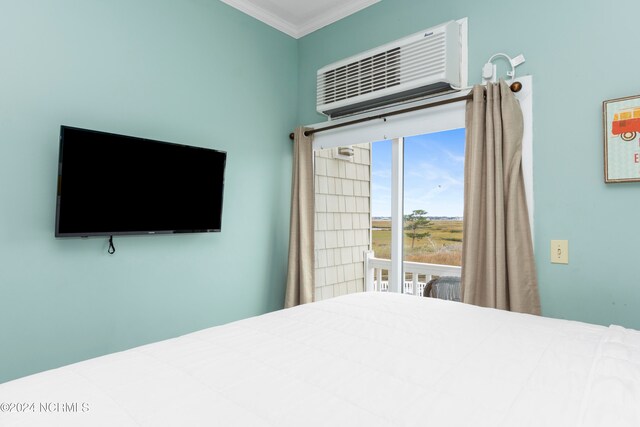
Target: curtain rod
{"type": "Point", "coordinates": [515, 87]}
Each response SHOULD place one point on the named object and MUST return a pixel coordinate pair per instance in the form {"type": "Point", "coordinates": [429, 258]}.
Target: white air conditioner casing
{"type": "Point", "coordinates": [417, 66]}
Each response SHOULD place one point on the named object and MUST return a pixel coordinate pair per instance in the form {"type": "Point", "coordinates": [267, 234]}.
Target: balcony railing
{"type": "Point", "coordinates": [416, 274]}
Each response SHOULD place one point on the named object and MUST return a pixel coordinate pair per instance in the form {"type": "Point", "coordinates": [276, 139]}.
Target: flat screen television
{"type": "Point", "coordinates": [112, 184]}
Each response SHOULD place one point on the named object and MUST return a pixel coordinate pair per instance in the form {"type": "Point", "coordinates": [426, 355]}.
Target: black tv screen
{"type": "Point", "coordinates": [114, 184]}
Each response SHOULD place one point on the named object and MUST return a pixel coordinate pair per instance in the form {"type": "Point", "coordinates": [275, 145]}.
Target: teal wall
{"type": "Point", "coordinates": [579, 53]}
{"type": "Point", "coordinates": [189, 71]}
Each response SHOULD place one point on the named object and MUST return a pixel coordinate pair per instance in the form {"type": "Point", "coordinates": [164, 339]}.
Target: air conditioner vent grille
{"type": "Point", "coordinates": [367, 75]}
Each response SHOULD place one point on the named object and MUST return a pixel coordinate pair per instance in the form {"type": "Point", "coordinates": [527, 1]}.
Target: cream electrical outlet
{"type": "Point", "coordinates": [560, 251]}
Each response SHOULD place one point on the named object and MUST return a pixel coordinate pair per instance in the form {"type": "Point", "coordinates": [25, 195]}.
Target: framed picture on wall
{"type": "Point", "coordinates": [621, 139]}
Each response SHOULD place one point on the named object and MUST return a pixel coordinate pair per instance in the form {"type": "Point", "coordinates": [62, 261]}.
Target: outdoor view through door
{"type": "Point", "coordinates": [355, 198]}
{"type": "Point", "coordinates": [432, 201]}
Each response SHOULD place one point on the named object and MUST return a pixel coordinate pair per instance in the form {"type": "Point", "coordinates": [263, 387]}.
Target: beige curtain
{"type": "Point", "coordinates": [498, 268]}
{"type": "Point", "coordinates": [300, 273]}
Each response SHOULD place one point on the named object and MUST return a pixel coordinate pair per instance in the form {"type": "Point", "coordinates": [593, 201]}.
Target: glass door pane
{"type": "Point", "coordinates": [433, 207]}
{"type": "Point", "coordinates": [381, 193]}
{"type": "Point", "coordinates": [381, 199]}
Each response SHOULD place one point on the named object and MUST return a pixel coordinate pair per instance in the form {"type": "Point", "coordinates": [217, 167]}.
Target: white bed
{"type": "Point", "coordinates": [369, 359]}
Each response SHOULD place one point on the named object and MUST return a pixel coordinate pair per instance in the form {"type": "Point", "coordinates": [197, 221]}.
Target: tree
{"type": "Point", "coordinates": [415, 222]}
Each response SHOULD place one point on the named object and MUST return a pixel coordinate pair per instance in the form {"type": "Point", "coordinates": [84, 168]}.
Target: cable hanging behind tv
{"type": "Point", "coordinates": [111, 184]}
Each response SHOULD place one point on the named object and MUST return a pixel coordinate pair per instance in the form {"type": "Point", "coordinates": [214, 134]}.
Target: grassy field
{"type": "Point", "coordinates": [443, 247]}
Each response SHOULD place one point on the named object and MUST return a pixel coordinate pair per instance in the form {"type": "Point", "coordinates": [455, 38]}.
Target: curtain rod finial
{"type": "Point", "coordinates": [291, 136]}
{"type": "Point", "coordinates": [516, 87]}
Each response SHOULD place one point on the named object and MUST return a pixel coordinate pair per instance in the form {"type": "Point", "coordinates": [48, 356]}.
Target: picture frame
{"type": "Point", "coordinates": [621, 126]}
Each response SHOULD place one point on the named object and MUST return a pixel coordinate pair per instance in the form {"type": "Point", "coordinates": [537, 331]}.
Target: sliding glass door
{"type": "Point", "coordinates": [417, 207]}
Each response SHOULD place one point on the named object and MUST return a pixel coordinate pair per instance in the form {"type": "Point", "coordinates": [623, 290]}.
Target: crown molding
{"type": "Point", "coordinates": [263, 15]}
{"type": "Point", "coordinates": [299, 30]}
{"type": "Point", "coordinates": [333, 15]}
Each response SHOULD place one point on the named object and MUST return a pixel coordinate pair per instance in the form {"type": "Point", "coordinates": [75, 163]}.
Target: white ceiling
{"type": "Point", "coordinates": [298, 18]}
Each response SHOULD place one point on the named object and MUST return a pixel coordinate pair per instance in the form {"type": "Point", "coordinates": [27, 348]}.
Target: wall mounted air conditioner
{"type": "Point", "coordinates": [424, 64]}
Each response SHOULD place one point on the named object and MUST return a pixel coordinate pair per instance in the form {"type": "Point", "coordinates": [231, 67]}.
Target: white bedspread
{"type": "Point", "coordinates": [372, 359]}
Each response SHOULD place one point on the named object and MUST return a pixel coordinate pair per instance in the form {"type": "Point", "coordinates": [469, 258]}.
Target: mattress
{"type": "Point", "coordinates": [367, 359]}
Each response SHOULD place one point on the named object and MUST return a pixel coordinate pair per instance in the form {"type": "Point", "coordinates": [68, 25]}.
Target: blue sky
{"type": "Point", "coordinates": [433, 174]}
